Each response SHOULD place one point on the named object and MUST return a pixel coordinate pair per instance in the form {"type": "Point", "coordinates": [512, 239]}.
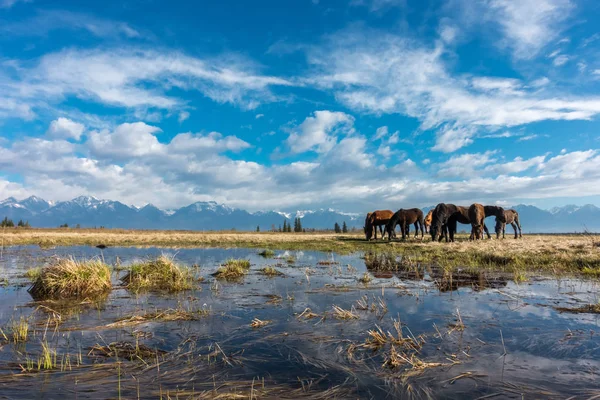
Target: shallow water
{"type": "Point", "coordinates": [513, 342]}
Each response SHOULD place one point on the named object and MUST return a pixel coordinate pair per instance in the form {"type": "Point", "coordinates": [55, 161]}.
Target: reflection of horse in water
{"type": "Point", "coordinates": [386, 265]}
{"type": "Point", "coordinates": [447, 281]}
{"type": "Point", "coordinates": [510, 217]}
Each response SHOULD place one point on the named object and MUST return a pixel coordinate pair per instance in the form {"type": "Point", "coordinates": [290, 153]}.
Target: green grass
{"type": "Point", "coordinates": [33, 273]}
{"type": "Point", "coordinates": [233, 269]}
{"type": "Point", "coordinates": [70, 279]}
{"type": "Point", "coordinates": [267, 253]}
{"type": "Point", "coordinates": [160, 274]}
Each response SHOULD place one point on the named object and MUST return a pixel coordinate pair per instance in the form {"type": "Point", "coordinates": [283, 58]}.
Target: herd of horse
{"type": "Point", "coordinates": [441, 221]}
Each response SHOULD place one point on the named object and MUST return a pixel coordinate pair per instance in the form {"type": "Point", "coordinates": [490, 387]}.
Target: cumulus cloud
{"type": "Point", "coordinates": [319, 132]}
{"type": "Point", "coordinates": [195, 167]}
{"type": "Point", "coordinates": [64, 128]}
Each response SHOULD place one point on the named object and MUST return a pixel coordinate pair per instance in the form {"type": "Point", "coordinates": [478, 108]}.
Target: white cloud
{"type": "Point", "coordinates": [64, 128]}
{"type": "Point", "coordinates": [184, 115]}
{"type": "Point", "coordinates": [126, 141]}
{"type": "Point", "coordinates": [529, 25]}
{"type": "Point", "coordinates": [527, 137]}
{"type": "Point", "coordinates": [45, 21]}
{"type": "Point", "coordinates": [190, 168]}
{"type": "Point", "coordinates": [10, 3]}
{"type": "Point", "coordinates": [198, 143]}
{"type": "Point", "coordinates": [319, 133]}
{"type": "Point", "coordinates": [379, 5]}
{"type": "Point", "coordinates": [560, 60]}
{"type": "Point", "coordinates": [374, 72]}
{"type": "Point", "coordinates": [543, 81]}
{"type": "Point", "coordinates": [135, 78]}
{"type": "Point", "coordinates": [384, 151]}
{"type": "Point", "coordinates": [380, 133]}
{"type": "Point", "coordinates": [465, 165]}
{"type": "Point", "coordinates": [259, 116]}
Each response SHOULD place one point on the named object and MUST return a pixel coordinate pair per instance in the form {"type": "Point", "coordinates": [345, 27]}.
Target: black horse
{"type": "Point", "coordinates": [405, 218]}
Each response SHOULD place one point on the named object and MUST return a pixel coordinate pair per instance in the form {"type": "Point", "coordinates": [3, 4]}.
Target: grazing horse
{"type": "Point", "coordinates": [445, 218]}
{"type": "Point", "coordinates": [428, 219]}
{"type": "Point", "coordinates": [510, 217]}
{"type": "Point", "coordinates": [381, 228]}
{"type": "Point", "coordinates": [405, 218]}
{"type": "Point", "coordinates": [375, 219]}
{"type": "Point", "coordinates": [477, 217]}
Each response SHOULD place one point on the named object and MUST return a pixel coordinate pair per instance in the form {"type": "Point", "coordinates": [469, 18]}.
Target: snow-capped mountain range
{"type": "Point", "coordinates": [88, 211]}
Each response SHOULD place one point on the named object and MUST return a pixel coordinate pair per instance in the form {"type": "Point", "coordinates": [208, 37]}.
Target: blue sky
{"type": "Point", "coordinates": [354, 105]}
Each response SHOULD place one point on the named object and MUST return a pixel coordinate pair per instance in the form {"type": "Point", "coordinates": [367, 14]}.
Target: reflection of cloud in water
{"type": "Point", "coordinates": [545, 348]}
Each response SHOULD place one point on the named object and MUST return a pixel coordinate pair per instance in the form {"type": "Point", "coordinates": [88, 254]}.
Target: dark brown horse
{"type": "Point", "coordinates": [375, 219]}
{"type": "Point", "coordinates": [444, 221]}
{"type": "Point", "coordinates": [381, 228]}
{"type": "Point", "coordinates": [405, 218]}
{"type": "Point", "coordinates": [477, 217]}
{"type": "Point", "coordinates": [428, 219]}
{"type": "Point", "coordinates": [510, 217]}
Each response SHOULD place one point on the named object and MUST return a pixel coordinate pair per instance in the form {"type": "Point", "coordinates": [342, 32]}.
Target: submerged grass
{"type": "Point", "coordinates": [160, 274]}
{"type": "Point", "coordinates": [233, 269]}
{"type": "Point", "coordinates": [67, 279]}
{"type": "Point", "coordinates": [587, 309]}
{"type": "Point", "coordinates": [271, 271]}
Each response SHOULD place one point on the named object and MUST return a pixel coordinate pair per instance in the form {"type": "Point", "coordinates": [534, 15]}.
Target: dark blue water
{"type": "Point", "coordinates": [513, 343]}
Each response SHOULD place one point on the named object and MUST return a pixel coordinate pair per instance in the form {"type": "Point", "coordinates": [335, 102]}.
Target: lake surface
{"type": "Point", "coordinates": [474, 335]}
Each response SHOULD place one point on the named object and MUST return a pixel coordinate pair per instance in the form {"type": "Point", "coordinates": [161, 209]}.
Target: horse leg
{"type": "Point", "coordinates": [515, 229]}
{"type": "Point", "coordinates": [504, 231]}
{"type": "Point", "coordinates": [519, 225]}
{"type": "Point", "coordinates": [485, 228]}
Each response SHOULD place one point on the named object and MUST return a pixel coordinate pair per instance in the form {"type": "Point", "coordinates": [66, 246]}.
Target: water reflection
{"type": "Point", "coordinates": [513, 342]}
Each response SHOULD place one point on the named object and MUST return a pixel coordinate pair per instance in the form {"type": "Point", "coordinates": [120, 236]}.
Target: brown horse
{"type": "Point", "coordinates": [381, 228]}
{"type": "Point", "coordinates": [375, 219]}
{"type": "Point", "coordinates": [444, 221]}
{"type": "Point", "coordinates": [405, 218]}
{"type": "Point", "coordinates": [428, 220]}
{"type": "Point", "coordinates": [477, 217]}
{"type": "Point", "coordinates": [510, 217]}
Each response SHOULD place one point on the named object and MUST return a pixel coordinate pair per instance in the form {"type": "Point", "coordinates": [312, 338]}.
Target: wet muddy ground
{"type": "Point", "coordinates": [317, 332]}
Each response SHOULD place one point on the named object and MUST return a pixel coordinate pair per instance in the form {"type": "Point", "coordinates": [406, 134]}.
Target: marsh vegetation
{"type": "Point", "coordinates": [419, 320]}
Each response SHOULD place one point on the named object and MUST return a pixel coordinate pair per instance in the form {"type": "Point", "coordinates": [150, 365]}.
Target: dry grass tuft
{"type": "Point", "coordinates": [340, 313]}
{"type": "Point", "coordinates": [162, 316]}
{"type": "Point", "coordinates": [307, 314]}
{"type": "Point", "coordinates": [161, 274]}
{"type": "Point", "coordinates": [257, 323]}
{"type": "Point", "coordinates": [130, 351]}
{"type": "Point", "coordinates": [67, 278]}
{"type": "Point", "coordinates": [233, 269]}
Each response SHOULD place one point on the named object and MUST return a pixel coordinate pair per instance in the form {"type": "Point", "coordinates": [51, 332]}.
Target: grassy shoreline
{"type": "Point", "coordinates": [557, 253]}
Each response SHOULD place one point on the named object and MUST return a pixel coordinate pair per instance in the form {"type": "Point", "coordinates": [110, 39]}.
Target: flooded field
{"type": "Point", "coordinates": [315, 325]}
